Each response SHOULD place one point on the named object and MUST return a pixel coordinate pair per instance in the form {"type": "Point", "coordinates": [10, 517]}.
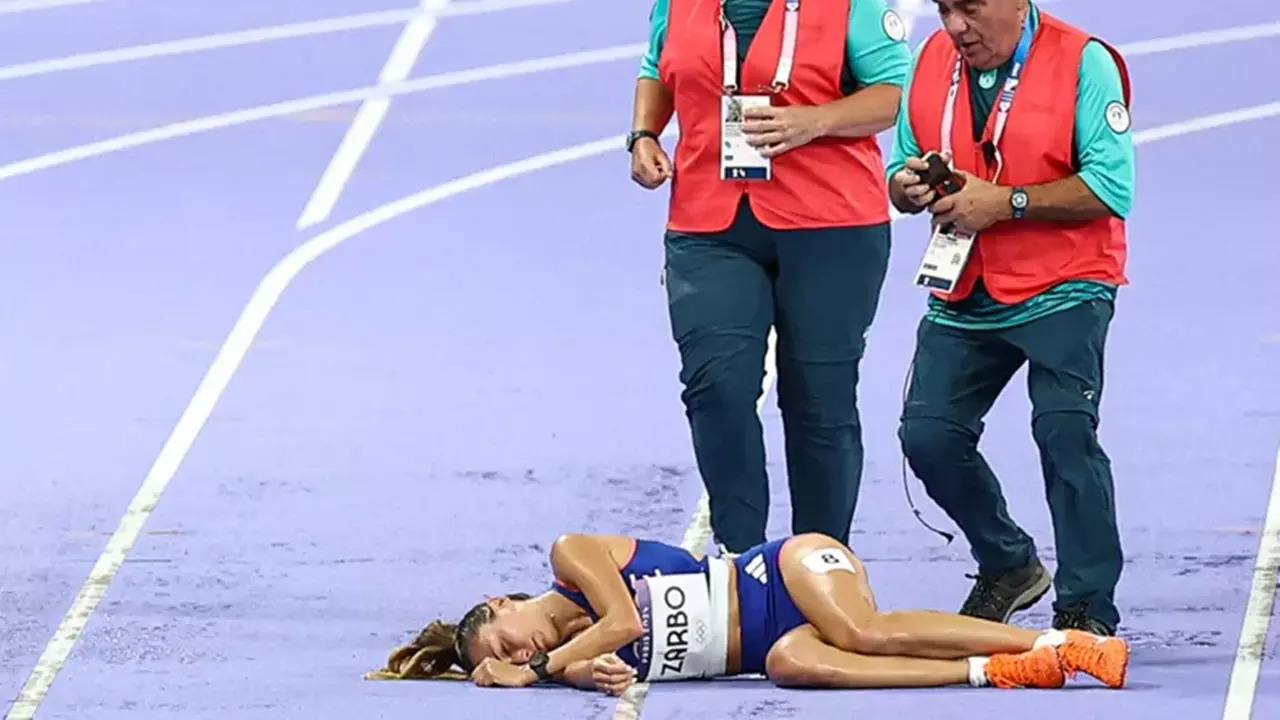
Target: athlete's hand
{"type": "Point", "coordinates": [495, 673]}
{"type": "Point", "coordinates": [977, 206]}
{"type": "Point", "coordinates": [611, 675]}
{"type": "Point", "coordinates": [774, 130]}
{"type": "Point", "coordinates": [650, 166]}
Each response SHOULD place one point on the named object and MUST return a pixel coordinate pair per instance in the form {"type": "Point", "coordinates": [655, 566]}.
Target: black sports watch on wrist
{"type": "Point", "coordinates": [1018, 200]}
{"type": "Point", "coordinates": [635, 135]}
{"type": "Point", "coordinates": [538, 664]}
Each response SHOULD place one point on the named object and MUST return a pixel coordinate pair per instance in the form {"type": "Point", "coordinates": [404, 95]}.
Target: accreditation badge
{"type": "Point", "coordinates": [944, 259]}
{"type": "Point", "coordinates": [738, 160]}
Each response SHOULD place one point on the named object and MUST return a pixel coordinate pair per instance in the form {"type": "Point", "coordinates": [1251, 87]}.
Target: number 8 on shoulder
{"type": "Point", "coordinates": [827, 560]}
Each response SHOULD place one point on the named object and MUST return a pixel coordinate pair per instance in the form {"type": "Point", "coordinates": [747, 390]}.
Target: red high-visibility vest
{"type": "Point", "coordinates": [1017, 259]}
{"type": "Point", "coordinates": [828, 182]}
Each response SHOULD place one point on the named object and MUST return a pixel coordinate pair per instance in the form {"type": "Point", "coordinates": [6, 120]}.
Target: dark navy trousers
{"type": "Point", "coordinates": [957, 376]}
{"type": "Point", "coordinates": [820, 289]}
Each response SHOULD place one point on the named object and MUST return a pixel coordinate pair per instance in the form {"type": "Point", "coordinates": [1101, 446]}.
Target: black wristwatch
{"type": "Point", "coordinates": [538, 664]}
{"type": "Point", "coordinates": [1018, 199]}
{"type": "Point", "coordinates": [635, 135]}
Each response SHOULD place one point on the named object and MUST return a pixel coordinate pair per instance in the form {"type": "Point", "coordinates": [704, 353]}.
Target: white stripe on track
{"type": "Point", "coordinates": [369, 117]}
{"type": "Point", "coordinates": [254, 36]}
{"type": "Point", "coordinates": [18, 6]}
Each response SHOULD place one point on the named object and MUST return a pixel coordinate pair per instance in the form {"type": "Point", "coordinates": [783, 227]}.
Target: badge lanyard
{"type": "Point", "coordinates": [1004, 102]}
{"type": "Point", "coordinates": [948, 253]}
{"type": "Point", "coordinates": [787, 56]}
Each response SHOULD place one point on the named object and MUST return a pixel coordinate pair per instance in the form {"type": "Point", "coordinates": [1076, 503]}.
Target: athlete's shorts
{"type": "Point", "coordinates": [765, 607]}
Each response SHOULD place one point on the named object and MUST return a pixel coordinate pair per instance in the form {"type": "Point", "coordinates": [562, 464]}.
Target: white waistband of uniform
{"type": "Point", "coordinates": [718, 583]}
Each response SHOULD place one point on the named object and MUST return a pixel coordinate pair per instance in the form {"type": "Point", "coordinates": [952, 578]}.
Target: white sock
{"type": "Point", "coordinates": [978, 672]}
{"type": "Point", "coordinates": [1052, 638]}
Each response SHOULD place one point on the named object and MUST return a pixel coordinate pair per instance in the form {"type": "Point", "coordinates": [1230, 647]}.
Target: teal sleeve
{"type": "Point", "coordinates": [1104, 142]}
{"type": "Point", "coordinates": [877, 44]}
{"type": "Point", "coordinates": [657, 35]}
{"type": "Point", "coordinates": [904, 140]}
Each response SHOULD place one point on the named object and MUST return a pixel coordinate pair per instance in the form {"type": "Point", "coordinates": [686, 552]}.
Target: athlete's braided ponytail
{"type": "Point", "coordinates": [438, 649]}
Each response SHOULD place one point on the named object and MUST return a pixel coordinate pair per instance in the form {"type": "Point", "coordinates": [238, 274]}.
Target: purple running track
{"type": "Point", "coordinates": [430, 404]}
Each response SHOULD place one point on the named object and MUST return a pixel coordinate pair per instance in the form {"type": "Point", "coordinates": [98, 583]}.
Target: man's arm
{"type": "Point", "coordinates": [1104, 147]}
{"type": "Point", "coordinates": [904, 145]}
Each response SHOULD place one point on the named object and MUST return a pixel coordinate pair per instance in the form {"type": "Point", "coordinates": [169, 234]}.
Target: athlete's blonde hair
{"type": "Point", "coordinates": [439, 648]}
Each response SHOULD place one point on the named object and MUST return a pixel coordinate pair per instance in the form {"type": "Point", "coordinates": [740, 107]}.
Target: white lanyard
{"type": "Point", "coordinates": [787, 56]}
{"type": "Point", "coordinates": [1003, 103]}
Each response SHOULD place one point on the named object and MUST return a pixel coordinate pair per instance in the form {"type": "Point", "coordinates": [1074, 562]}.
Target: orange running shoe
{"type": "Point", "coordinates": [1105, 658]}
{"type": "Point", "coordinates": [1039, 668]}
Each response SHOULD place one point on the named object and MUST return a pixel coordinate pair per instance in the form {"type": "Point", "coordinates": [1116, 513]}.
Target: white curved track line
{"type": "Point", "coordinates": [490, 72]}
{"type": "Point", "coordinates": [17, 6]}
{"type": "Point", "coordinates": [1202, 39]}
{"type": "Point", "coordinates": [1252, 645]}
{"type": "Point", "coordinates": [909, 11]}
{"type": "Point", "coordinates": [413, 39]}
{"type": "Point", "coordinates": [254, 36]}
{"type": "Point", "coordinates": [205, 43]}
{"type": "Point", "coordinates": [315, 102]}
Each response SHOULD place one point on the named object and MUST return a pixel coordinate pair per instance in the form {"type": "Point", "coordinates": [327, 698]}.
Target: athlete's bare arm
{"type": "Point", "coordinates": [584, 562]}
{"type": "Point", "coordinates": [578, 675]}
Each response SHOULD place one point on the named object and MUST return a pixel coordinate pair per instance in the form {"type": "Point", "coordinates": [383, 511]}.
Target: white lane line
{"type": "Point", "coordinates": [369, 117]}
{"type": "Point", "coordinates": [464, 77]}
{"type": "Point", "coordinates": [1203, 39]}
{"type": "Point", "coordinates": [909, 10]}
{"type": "Point", "coordinates": [316, 102]}
{"type": "Point", "coordinates": [1257, 615]}
{"type": "Point", "coordinates": [698, 533]}
{"type": "Point", "coordinates": [255, 36]}
{"type": "Point", "coordinates": [1208, 122]}
{"type": "Point", "coordinates": [17, 6]}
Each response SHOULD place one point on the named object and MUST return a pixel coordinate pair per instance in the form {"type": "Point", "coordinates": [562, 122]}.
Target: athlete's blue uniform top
{"type": "Point", "coordinates": [765, 607]}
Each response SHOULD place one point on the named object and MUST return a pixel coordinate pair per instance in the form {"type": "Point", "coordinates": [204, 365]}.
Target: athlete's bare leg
{"type": "Point", "coordinates": [829, 586]}
{"type": "Point", "coordinates": [803, 659]}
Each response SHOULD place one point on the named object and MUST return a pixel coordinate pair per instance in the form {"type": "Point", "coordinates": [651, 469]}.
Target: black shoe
{"type": "Point", "coordinates": [1078, 618]}
{"type": "Point", "coordinates": [998, 598]}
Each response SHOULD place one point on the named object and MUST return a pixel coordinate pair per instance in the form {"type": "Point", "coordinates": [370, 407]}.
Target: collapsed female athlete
{"type": "Point", "coordinates": [798, 610]}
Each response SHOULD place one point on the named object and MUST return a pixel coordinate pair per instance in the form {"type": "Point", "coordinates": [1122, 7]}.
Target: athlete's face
{"type": "Point", "coordinates": [985, 32]}
{"type": "Point", "coordinates": [517, 631]}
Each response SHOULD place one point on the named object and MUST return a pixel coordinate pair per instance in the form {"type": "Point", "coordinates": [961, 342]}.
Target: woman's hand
{"type": "Point", "coordinates": [495, 673]}
{"type": "Point", "coordinates": [773, 130]}
{"type": "Point", "coordinates": [611, 675]}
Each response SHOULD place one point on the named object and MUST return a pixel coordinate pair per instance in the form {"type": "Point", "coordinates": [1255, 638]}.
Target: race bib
{"type": "Point", "coordinates": [679, 634]}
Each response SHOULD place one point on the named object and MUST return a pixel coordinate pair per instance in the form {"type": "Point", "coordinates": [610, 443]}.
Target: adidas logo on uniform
{"type": "Point", "coordinates": [758, 570]}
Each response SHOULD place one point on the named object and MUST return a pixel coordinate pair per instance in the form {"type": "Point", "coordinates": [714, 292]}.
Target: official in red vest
{"type": "Point", "coordinates": [1024, 269]}
{"type": "Point", "coordinates": [778, 217]}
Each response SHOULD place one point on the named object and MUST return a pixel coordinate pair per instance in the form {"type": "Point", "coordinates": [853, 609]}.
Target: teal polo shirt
{"type": "Point", "coordinates": [873, 55]}
{"type": "Point", "coordinates": [1105, 159]}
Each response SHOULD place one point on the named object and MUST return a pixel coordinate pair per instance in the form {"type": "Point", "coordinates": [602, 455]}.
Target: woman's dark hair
{"type": "Point", "coordinates": [438, 648]}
